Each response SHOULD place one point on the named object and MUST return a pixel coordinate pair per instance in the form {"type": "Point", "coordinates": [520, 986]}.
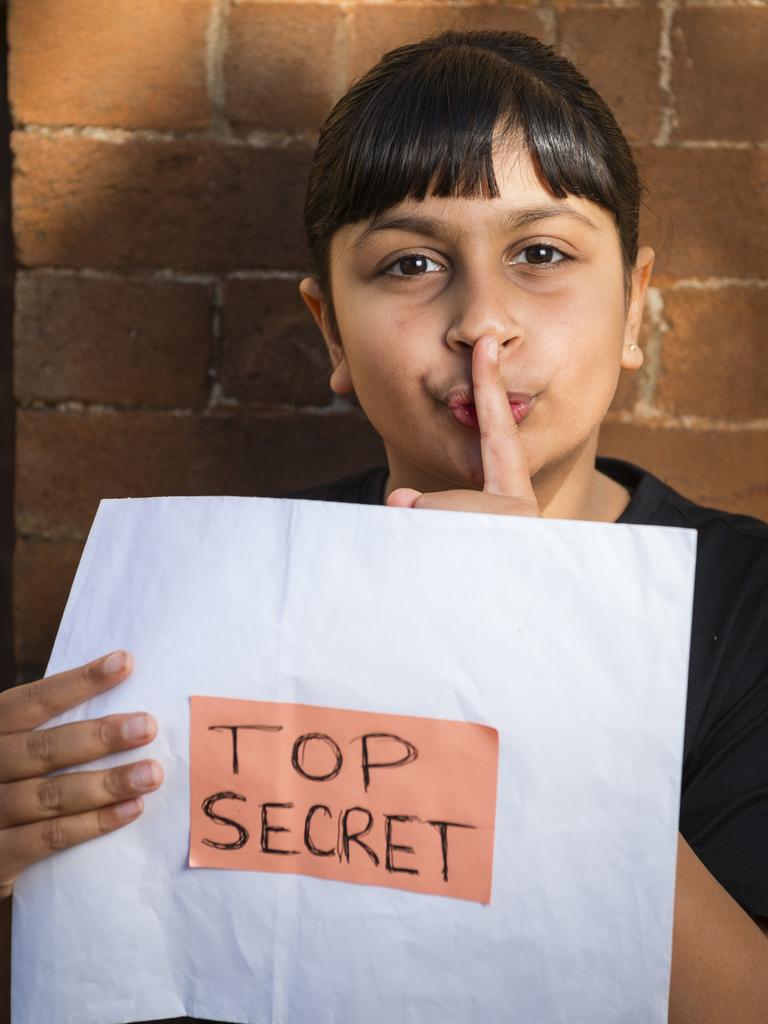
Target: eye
{"type": "Point", "coordinates": [412, 265]}
{"type": "Point", "coordinates": [540, 255]}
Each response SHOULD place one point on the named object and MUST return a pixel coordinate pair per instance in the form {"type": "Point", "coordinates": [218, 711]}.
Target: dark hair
{"type": "Point", "coordinates": [424, 120]}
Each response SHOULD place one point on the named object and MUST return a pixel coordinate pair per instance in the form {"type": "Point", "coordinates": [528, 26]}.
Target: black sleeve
{"type": "Point", "coordinates": [724, 806]}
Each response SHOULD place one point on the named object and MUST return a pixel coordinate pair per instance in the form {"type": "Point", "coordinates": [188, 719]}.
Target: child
{"type": "Point", "coordinates": [472, 215]}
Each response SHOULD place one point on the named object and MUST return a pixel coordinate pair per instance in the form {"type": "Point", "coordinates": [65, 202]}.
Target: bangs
{"type": "Point", "coordinates": [427, 121]}
{"type": "Point", "coordinates": [427, 118]}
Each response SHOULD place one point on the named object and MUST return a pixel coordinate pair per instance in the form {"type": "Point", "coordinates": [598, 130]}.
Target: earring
{"type": "Point", "coordinates": [632, 347]}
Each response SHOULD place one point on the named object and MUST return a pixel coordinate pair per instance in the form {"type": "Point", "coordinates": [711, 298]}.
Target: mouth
{"type": "Point", "coordinates": [461, 404]}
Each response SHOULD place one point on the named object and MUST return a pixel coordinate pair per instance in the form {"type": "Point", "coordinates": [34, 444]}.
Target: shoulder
{"type": "Point", "coordinates": [731, 553]}
{"type": "Point", "coordinates": [655, 503]}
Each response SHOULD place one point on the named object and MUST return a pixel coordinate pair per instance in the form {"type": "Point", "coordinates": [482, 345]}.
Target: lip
{"type": "Point", "coordinates": [461, 403]}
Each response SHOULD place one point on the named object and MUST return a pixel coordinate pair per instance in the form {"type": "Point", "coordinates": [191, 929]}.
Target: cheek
{"type": "Point", "coordinates": [589, 334]}
{"type": "Point", "coordinates": [583, 365]}
{"type": "Point", "coordinates": [385, 348]}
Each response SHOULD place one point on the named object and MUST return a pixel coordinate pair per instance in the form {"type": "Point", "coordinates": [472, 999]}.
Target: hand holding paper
{"type": "Point", "coordinates": [507, 488]}
{"type": "Point", "coordinates": [40, 814]}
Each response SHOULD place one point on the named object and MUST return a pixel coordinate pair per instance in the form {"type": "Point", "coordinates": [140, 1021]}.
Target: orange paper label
{"type": "Point", "coordinates": [374, 799]}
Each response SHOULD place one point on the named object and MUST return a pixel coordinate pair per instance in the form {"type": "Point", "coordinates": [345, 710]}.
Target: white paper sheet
{"type": "Point", "coordinates": [570, 638]}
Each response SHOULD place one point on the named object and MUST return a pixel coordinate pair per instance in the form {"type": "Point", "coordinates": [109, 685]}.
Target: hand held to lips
{"type": "Point", "coordinates": [507, 488]}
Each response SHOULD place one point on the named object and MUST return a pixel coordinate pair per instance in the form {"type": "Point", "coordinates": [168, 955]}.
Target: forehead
{"type": "Point", "coordinates": [522, 201]}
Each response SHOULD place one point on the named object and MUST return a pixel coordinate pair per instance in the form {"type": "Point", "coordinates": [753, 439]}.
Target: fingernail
{"type": "Point", "coordinates": [144, 775]}
{"type": "Point", "coordinates": [114, 663]}
{"type": "Point", "coordinates": [135, 728]}
{"type": "Point", "coordinates": [492, 348]}
{"type": "Point", "coordinates": [128, 809]}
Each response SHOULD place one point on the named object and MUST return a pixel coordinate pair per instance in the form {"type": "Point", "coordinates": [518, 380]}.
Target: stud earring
{"type": "Point", "coordinates": [632, 347]}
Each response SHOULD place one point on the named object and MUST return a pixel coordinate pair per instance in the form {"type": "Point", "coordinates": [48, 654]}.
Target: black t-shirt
{"type": "Point", "coordinates": [724, 795]}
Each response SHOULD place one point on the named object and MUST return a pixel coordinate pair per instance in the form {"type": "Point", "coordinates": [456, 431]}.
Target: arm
{"type": "Point", "coordinates": [719, 954]}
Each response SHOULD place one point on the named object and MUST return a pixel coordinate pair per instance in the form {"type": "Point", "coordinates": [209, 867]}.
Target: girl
{"type": "Point", "coordinates": [472, 215]}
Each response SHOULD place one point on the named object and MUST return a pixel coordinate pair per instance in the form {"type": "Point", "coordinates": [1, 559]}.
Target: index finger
{"type": "Point", "coordinates": [27, 706]}
{"type": "Point", "coordinates": [505, 464]}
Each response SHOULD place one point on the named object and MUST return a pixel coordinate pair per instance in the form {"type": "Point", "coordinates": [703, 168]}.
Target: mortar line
{"type": "Point", "coordinates": [343, 72]}
{"type": "Point", "coordinates": [724, 3]}
{"type": "Point", "coordinates": [550, 23]}
{"type": "Point", "coordinates": [695, 424]}
{"type": "Point", "coordinates": [223, 408]}
{"type": "Point", "coordinates": [603, 5]}
{"type": "Point", "coordinates": [256, 139]}
{"type": "Point", "coordinates": [668, 120]}
{"type": "Point", "coordinates": [165, 274]}
{"type": "Point", "coordinates": [215, 346]}
{"type": "Point", "coordinates": [648, 384]}
{"type": "Point", "coordinates": [215, 48]}
{"type": "Point", "coordinates": [714, 283]}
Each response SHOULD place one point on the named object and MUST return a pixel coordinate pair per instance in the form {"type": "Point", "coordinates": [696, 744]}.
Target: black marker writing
{"type": "Point", "coordinates": [266, 828]}
{"type": "Point", "coordinates": [346, 837]}
{"type": "Point", "coordinates": [411, 753]}
{"type": "Point", "coordinates": [442, 827]}
{"type": "Point", "coordinates": [391, 847]}
{"type": "Point", "coordinates": [233, 729]}
{"type": "Point", "coordinates": [297, 756]}
{"type": "Point", "coordinates": [308, 825]}
{"type": "Point", "coordinates": [207, 806]}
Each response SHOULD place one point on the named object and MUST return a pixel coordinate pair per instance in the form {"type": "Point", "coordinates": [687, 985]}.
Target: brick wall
{"type": "Point", "coordinates": [160, 157]}
{"type": "Point", "coordinates": [7, 410]}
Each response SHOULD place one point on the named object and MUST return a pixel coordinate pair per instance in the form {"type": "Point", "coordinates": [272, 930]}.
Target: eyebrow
{"type": "Point", "coordinates": [512, 220]}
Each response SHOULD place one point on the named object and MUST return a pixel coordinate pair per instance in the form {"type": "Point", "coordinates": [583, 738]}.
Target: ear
{"type": "Point", "coordinates": [340, 379]}
{"type": "Point", "coordinates": [631, 353]}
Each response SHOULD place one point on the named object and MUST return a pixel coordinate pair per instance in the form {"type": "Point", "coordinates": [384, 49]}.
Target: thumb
{"type": "Point", "coordinates": [403, 497]}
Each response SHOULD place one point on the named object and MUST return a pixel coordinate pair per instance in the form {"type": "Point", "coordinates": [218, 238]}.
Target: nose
{"type": "Point", "coordinates": [482, 307]}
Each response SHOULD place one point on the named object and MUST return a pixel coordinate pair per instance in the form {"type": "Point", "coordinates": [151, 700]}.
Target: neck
{"type": "Point", "coordinates": [580, 493]}
{"type": "Point", "coordinates": [571, 489]}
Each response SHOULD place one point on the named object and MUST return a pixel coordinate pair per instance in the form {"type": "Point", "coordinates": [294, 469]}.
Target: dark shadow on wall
{"type": "Point", "coordinates": [189, 203]}
{"type": "Point", "coordinates": [7, 670]}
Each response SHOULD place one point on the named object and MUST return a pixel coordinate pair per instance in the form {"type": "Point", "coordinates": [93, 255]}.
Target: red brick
{"type": "Point", "coordinates": [720, 73]}
{"type": "Point", "coordinates": [110, 340]}
{"type": "Point", "coordinates": [186, 204]}
{"type": "Point", "coordinates": [721, 468]}
{"type": "Point", "coordinates": [42, 576]}
{"type": "Point", "coordinates": [66, 462]}
{"type": "Point", "coordinates": [131, 63]}
{"type": "Point", "coordinates": [617, 50]}
{"type": "Point", "coordinates": [377, 28]}
{"type": "Point", "coordinates": [714, 358]}
{"type": "Point", "coordinates": [274, 79]}
{"type": "Point", "coordinates": [271, 349]}
{"type": "Point", "coordinates": [706, 210]}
